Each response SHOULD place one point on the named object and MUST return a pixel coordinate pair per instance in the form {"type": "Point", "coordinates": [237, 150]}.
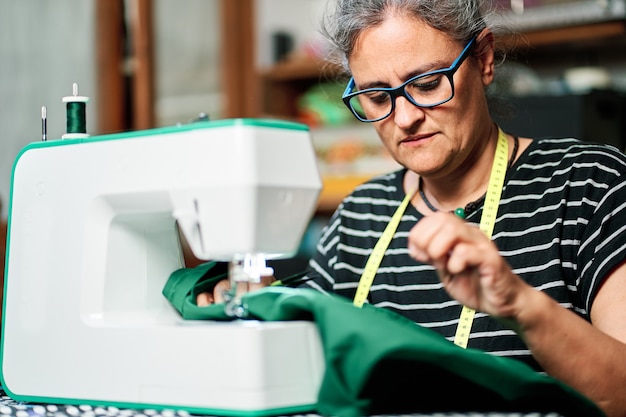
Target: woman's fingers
{"type": "Point", "coordinates": [204, 299]}
{"type": "Point", "coordinates": [434, 238]}
{"type": "Point", "coordinates": [223, 287]}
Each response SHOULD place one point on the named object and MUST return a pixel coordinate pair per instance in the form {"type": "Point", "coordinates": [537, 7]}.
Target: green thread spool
{"type": "Point", "coordinates": [76, 119]}
{"type": "Point", "coordinates": [76, 122]}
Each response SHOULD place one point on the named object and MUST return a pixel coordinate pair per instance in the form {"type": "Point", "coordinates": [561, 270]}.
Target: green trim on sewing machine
{"type": "Point", "coordinates": [211, 124]}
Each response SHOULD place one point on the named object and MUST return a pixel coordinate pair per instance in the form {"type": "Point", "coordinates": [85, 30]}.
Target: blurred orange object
{"type": "Point", "coordinates": [344, 151]}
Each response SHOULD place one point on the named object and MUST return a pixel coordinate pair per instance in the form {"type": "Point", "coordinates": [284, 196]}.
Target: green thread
{"type": "Point", "coordinates": [76, 117]}
{"type": "Point", "coordinates": [76, 120]}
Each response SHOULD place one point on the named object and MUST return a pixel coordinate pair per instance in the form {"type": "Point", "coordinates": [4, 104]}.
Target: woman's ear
{"type": "Point", "coordinates": [484, 52]}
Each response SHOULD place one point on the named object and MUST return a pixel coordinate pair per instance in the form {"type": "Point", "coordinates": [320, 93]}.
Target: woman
{"type": "Point", "coordinates": [544, 279]}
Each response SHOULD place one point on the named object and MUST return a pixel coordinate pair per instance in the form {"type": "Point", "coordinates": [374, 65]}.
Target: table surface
{"type": "Point", "coordinates": [10, 407]}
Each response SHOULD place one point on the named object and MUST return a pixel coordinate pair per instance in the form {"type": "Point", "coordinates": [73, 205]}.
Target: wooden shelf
{"type": "Point", "coordinates": [568, 35]}
{"type": "Point", "coordinates": [285, 82]}
{"type": "Point", "coordinates": [307, 68]}
{"type": "Point", "coordinates": [301, 68]}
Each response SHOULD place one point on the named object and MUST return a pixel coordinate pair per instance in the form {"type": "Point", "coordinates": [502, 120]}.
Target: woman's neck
{"type": "Point", "coordinates": [459, 187]}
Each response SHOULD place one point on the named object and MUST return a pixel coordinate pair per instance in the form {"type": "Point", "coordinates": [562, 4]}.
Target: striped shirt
{"type": "Point", "coordinates": [561, 225]}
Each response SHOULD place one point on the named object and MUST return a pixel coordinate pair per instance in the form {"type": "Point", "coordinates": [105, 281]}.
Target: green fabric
{"type": "Point", "coordinates": [378, 362]}
{"type": "Point", "coordinates": [185, 284]}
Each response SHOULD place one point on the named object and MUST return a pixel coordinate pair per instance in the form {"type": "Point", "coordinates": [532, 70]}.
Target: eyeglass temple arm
{"type": "Point", "coordinates": [463, 53]}
{"type": "Point", "coordinates": [349, 87]}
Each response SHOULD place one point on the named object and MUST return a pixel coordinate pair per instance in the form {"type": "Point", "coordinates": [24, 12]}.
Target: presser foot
{"type": "Point", "coordinates": [234, 305]}
{"type": "Point", "coordinates": [244, 272]}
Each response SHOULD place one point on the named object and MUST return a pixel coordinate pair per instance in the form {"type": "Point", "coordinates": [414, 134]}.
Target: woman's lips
{"type": "Point", "coordinates": [416, 139]}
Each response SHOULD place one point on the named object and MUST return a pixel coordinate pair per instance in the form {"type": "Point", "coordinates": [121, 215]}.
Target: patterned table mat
{"type": "Point", "coordinates": [10, 407]}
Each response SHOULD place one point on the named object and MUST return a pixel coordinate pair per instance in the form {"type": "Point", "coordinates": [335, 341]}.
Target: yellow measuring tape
{"type": "Point", "coordinates": [487, 222]}
{"type": "Point", "coordinates": [376, 257]}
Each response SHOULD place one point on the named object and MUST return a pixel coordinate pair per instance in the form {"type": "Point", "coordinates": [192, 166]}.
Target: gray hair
{"type": "Point", "coordinates": [461, 19]}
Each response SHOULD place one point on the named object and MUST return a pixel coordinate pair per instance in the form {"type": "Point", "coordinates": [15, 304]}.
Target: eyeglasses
{"type": "Point", "coordinates": [426, 90]}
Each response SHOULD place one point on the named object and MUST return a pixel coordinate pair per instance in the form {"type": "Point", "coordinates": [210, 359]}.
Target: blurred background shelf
{"type": "Point", "coordinates": [335, 189]}
{"type": "Point", "coordinates": [284, 84]}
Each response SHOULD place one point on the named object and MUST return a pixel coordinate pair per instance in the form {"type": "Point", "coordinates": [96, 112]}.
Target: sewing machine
{"type": "Point", "coordinates": [94, 233]}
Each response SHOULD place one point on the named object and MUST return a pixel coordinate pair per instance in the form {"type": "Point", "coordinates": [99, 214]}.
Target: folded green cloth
{"type": "Point", "coordinates": [378, 362]}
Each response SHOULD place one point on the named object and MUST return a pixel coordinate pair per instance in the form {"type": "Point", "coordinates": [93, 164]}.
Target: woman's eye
{"type": "Point", "coordinates": [425, 84]}
{"type": "Point", "coordinates": [378, 97]}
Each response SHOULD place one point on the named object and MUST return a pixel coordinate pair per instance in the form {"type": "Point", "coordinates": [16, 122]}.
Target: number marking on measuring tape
{"type": "Point", "coordinates": [464, 327]}
{"type": "Point", "coordinates": [487, 223]}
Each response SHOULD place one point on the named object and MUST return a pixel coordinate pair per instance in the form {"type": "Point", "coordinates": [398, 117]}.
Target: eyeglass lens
{"type": "Point", "coordinates": [426, 90]}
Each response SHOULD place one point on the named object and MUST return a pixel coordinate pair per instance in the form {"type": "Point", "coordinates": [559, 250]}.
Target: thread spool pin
{"type": "Point", "coordinates": [76, 121]}
{"type": "Point", "coordinates": [44, 124]}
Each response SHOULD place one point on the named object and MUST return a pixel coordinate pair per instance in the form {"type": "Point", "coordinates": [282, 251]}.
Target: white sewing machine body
{"type": "Point", "coordinates": [93, 238]}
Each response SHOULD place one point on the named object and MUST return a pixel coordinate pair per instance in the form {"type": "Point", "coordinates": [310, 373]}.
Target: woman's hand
{"type": "Point", "coordinates": [589, 358]}
{"type": "Point", "coordinates": [469, 264]}
{"type": "Point", "coordinates": [223, 287]}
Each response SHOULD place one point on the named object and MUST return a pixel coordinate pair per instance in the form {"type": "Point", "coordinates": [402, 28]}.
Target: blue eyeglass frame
{"type": "Point", "coordinates": [395, 92]}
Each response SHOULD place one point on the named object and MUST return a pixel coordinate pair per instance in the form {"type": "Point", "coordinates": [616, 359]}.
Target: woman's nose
{"type": "Point", "coordinates": [406, 114]}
